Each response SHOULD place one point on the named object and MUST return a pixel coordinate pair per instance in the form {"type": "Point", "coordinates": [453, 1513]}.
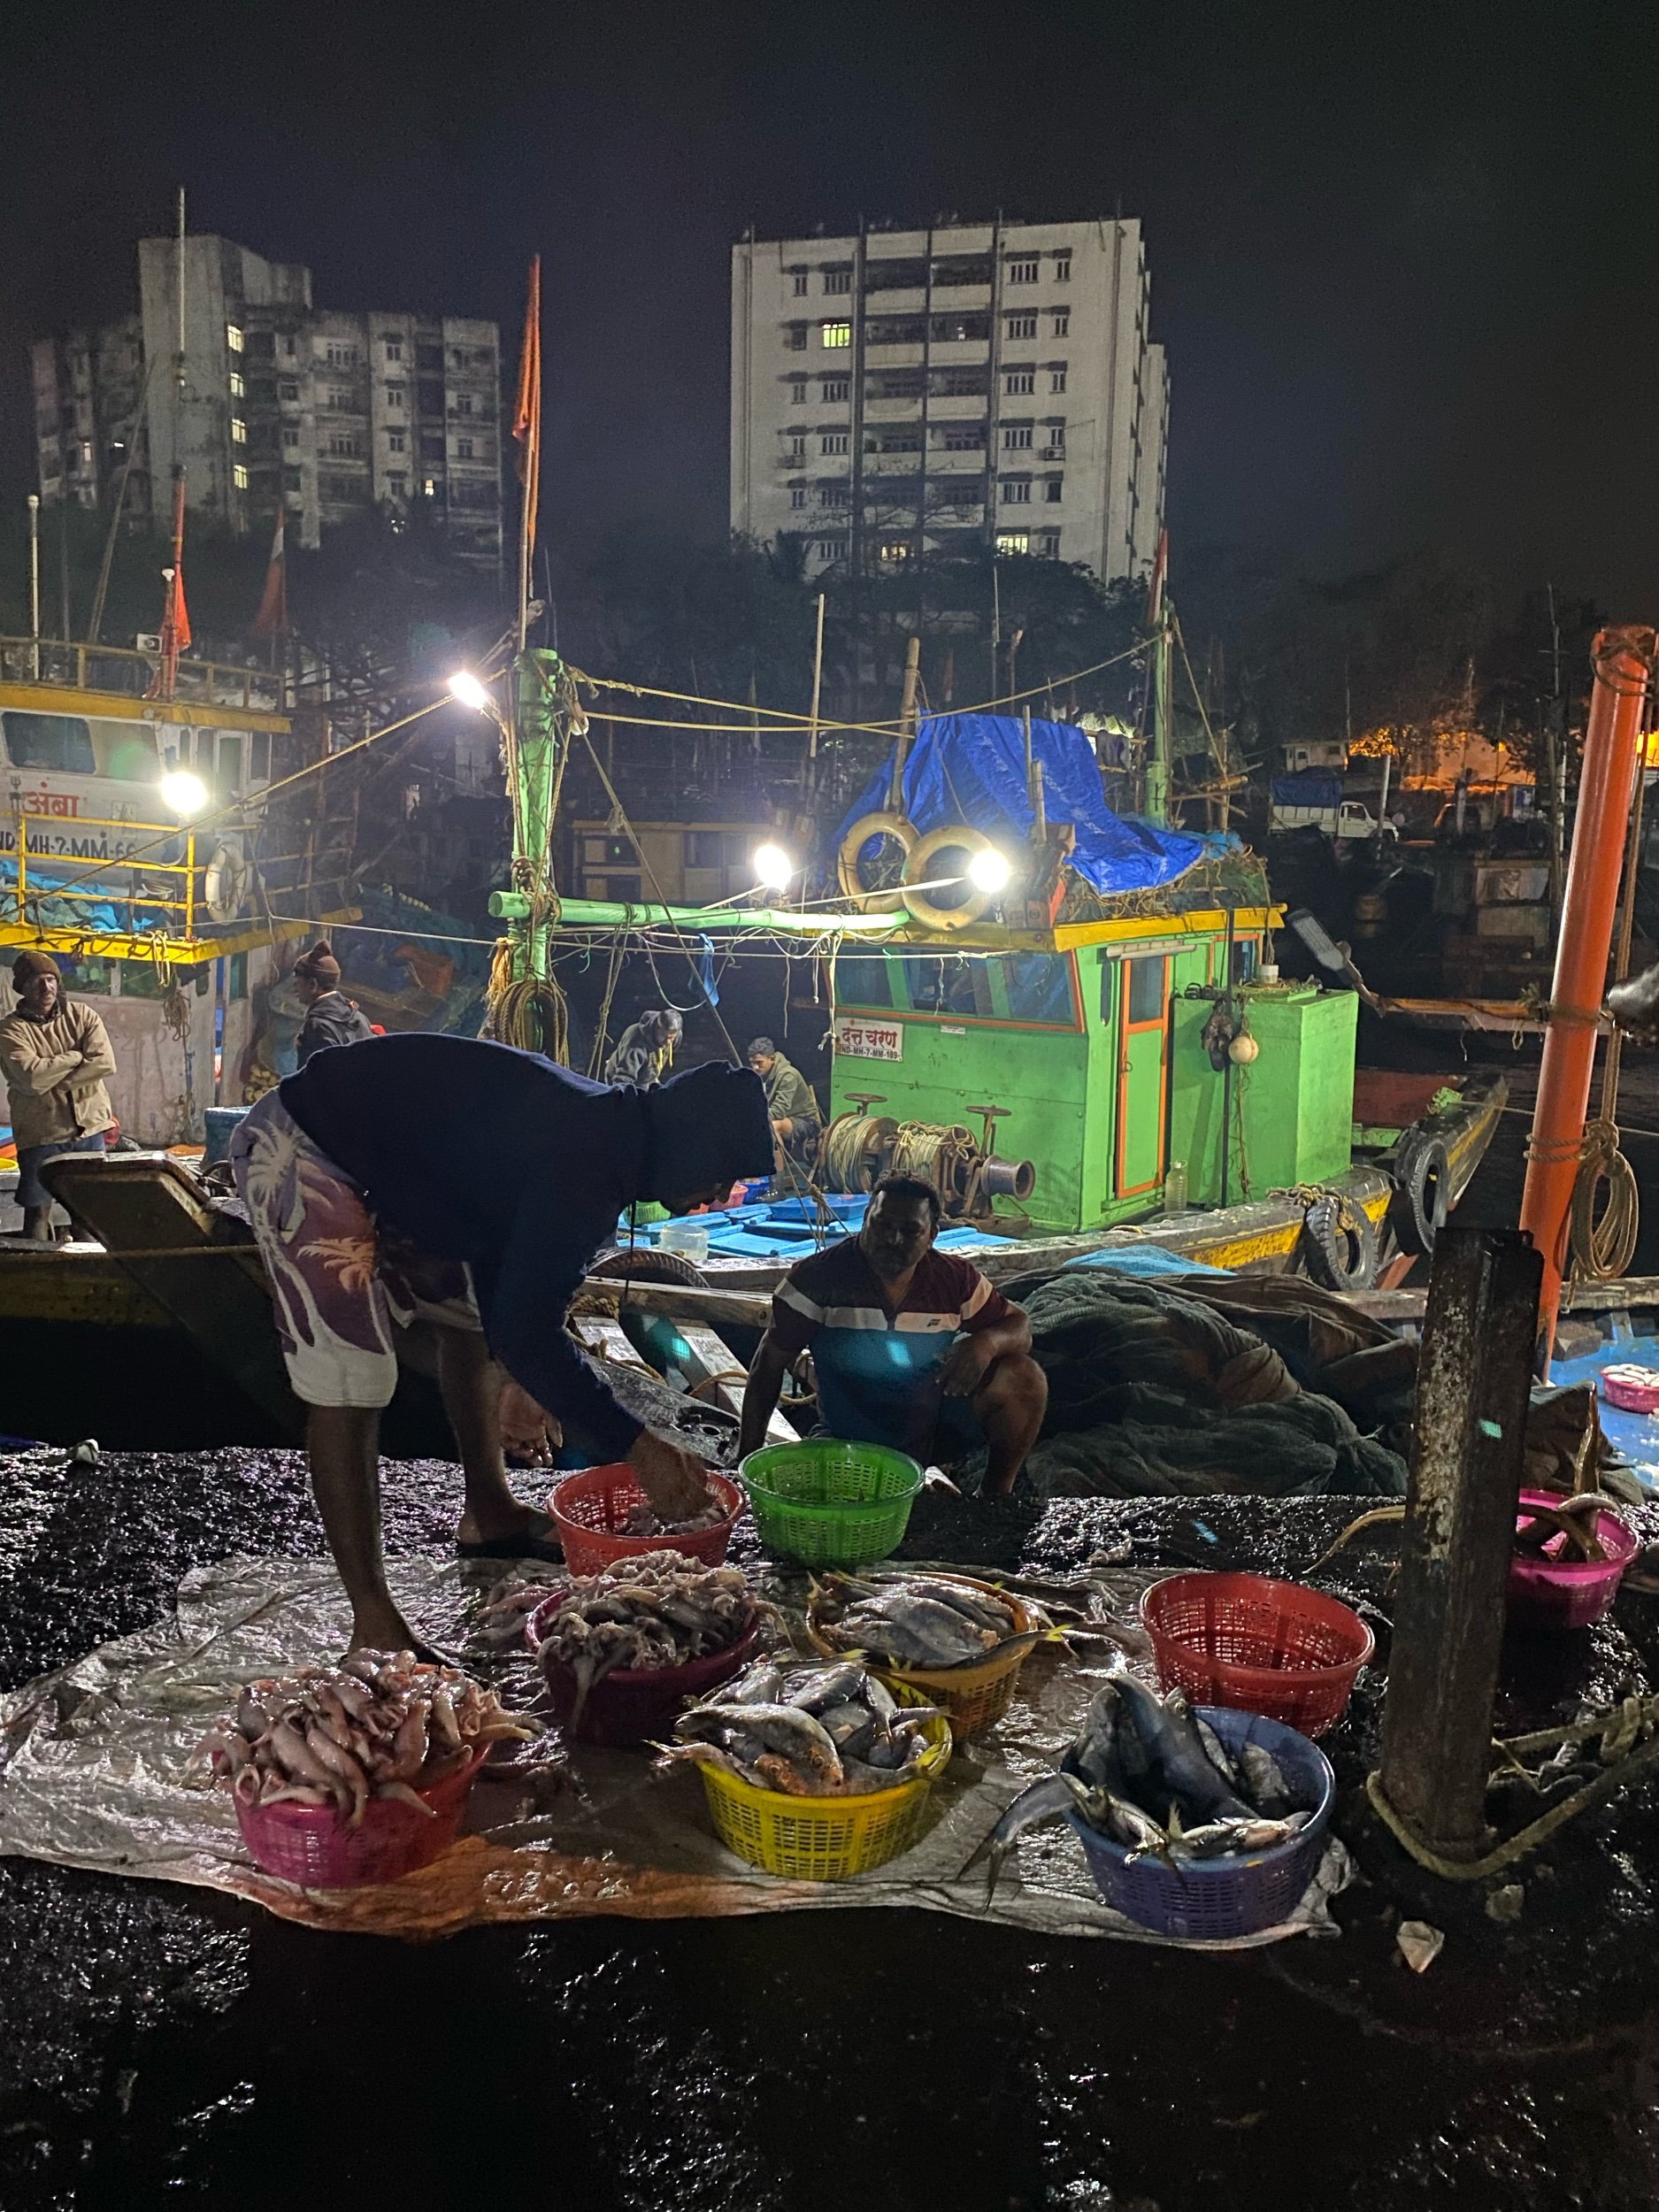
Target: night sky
{"type": "Point", "coordinates": [1403, 257]}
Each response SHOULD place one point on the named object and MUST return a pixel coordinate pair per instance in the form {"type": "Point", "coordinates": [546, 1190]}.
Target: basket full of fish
{"type": "Point", "coordinates": [1196, 1820]}
{"type": "Point", "coordinates": [814, 1770]}
{"type": "Point", "coordinates": [358, 1773]}
{"type": "Point", "coordinates": [622, 1650]}
{"type": "Point", "coordinates": [960, 1642]}
{"type": "Point", "coordinates": [603, 1515]}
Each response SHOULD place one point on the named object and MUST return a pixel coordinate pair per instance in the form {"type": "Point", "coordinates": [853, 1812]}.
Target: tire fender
{"type": "Point", "coordinates": [1338, 1245]}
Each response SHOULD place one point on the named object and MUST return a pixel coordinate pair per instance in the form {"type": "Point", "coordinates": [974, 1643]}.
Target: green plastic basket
{"type": "Point", "coordinates": [828, 1503]}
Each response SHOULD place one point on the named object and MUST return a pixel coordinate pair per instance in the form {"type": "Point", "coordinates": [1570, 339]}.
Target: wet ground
{"type": "Point", "coordinates": [168, 2047]}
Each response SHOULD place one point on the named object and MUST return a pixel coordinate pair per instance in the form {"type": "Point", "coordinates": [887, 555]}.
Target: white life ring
{"type": "Point", "coordinates": [881, 823]}
{"type": "Point", "coordinates": [226, 883]}
{"type": "Point", "coordinates": [920, 867]}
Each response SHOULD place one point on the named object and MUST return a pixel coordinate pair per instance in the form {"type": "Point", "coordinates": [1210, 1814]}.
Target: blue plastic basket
{"type": "Point", "coordinates": [1210, 1899]}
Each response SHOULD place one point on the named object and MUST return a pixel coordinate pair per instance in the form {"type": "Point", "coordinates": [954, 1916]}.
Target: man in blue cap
{"type": "Point", "coordinates": [466, 1185]}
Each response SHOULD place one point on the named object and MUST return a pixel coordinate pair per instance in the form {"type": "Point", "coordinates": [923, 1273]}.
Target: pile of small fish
{"type": "Point", "coordinates": [642, 1521]}
{"type": "Point", "coordinates": [382, 1724]}
{"type": "Point", "coordinates": [811, 1731]}
{"type": "Point", "coordinates": [915, 1620]}
{"type": "Point", "coordinates": [657, 1610]}
{"type": "Point", "coordinates": [1153, 1775]}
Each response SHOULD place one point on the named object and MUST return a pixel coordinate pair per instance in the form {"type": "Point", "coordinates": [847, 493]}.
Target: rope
{"type": "Point", "coordinates": [854, 1147]}
{"type": "Point", "coordinates": [528, 1011]}
{"type": "Point", "coordinates": [945, 1157]}
{"type": "Point", "coordinates": [1603, 1248]}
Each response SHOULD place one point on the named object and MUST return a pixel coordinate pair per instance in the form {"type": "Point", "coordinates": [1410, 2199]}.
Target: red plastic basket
{"type": "Point", "coordinates": [1263, 1646]}
{"type": "Point", "coordinates": [632, 1705]}
{"type": "Point", "coordinates": [1548, 1592]}
{"type": "Point", "coordinates": [590, 1511]}
{"type": "Point", "coordinates": [310, 1845]}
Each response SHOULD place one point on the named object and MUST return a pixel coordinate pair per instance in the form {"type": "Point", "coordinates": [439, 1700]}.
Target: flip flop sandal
{"type": "Point", "coordinates": [538, 1541]}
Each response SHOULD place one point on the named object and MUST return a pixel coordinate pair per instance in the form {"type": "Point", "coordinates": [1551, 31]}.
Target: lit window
{"type": "Point", "coordinates": [463, 449]}
{"type": "Point", "coordinates": [1023, 326]}
{"type": "Point", "coordinates": [1062, 268]}
{"type": "Point", "coordinates": [239, 477]}
{"type": "Point", "coordinates": [1016, 437]}
{"type": "Point", "coordinates": [1018, 382]}
{"type": "Point", "coordinates": [233, 337]}
{"type": "Point", "coordinates": [1016, 491]}
{"type": "Point", "coordinates": [1013, 540]}
{"type": "Point", "coordinates": [797, 495]}
{"type": "Point", "coordinates": [429, 486]}
{"type": "Point", "coordinates": [238, 431]}
{"type": "Point", "coordinates": [235, 384]}
{"type": "Point", "coordinates": [838, 280]}
{"type": "Point", "coordinates": [395, 395]}
{"type": "Point", "coordinates": [396, 441]}
{"type": "Point", "coordinates": [394, 349]}
{"type": "Point", "coordinates": [799, 277]}
{"type": "Point", "coordinates": [832, 441]}
{"type": "Point", "coordinates": [289, 392]}
{"type": "Point", "coordinates": [290, 437]}
{"type": "Point", "coordinates": [1061, 322]}
{"type": "Point", "coordinates": [1024, 270]}
{"type": "Point", "coordinates": [797, 391]}
{"type": "Point", "coordinates": [1057, 377]}
{"type": "Point", "coordinates": [1051, 490]}
{"type": "Point", "coordinates": [837, 334]}
{"type": "Point", "coordinates": [794, 337]}
{"type": "Point", "coordinates": [895, 550]}
{"type": "Point", "coordinates": [836, 389]}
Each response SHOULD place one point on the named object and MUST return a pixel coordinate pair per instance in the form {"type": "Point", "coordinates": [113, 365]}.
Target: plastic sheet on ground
{"type": "Point", "coordinates": [96, 1771]}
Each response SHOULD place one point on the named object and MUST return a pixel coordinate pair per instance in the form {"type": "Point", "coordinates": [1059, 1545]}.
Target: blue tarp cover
{"type": "Point", "coordinates": [1309, 787]}
{"type": "Point", "coordinates": [971, 768]}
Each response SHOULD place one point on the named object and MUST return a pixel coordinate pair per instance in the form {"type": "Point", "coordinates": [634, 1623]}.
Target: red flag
{"type": "Point", "coordinates": [175, 617]}
{"type": "Point", "coordinates": [272, 616]}
{"type": "Point", "coordinates": [177, 613]}
{"type": "Point", "coordinates": [527, 422]}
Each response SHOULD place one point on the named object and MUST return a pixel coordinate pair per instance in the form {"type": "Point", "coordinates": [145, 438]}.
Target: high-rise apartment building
{"type": "Point", "coordinates": [902, 392]}
{"type": "Point", "coordinates": [274, 402]}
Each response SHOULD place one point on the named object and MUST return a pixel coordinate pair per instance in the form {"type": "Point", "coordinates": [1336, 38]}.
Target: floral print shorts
{"type": "Point", "coordinates": [340, 1282]}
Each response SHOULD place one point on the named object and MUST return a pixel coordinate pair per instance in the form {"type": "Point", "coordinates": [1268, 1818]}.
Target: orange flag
{"type": "Point", "coordinates": [527, 422]}
{"type": "Point", "coordinates": [272, 616]}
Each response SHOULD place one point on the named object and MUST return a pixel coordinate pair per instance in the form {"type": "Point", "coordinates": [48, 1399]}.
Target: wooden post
{"type": "Point", "coordinates": [1467, 1455]}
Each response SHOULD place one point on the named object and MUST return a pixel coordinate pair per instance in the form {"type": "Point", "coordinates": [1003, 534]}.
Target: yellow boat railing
{"type": "Point", "coordinates": [83, 872]}
{"type": "Point", "coordinates": [118, 668]}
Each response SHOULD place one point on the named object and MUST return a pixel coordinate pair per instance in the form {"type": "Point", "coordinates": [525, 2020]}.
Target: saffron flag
{"type": "Point", "coordinates": [527, 422]}
{"type": "Point", "coordinates": [272, 618]}
{"type": "Point", "coordinates": [175, 623]}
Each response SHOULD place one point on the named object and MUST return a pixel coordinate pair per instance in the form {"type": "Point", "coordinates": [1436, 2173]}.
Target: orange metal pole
{"type": "Point", "coordinates": [1622, 658]}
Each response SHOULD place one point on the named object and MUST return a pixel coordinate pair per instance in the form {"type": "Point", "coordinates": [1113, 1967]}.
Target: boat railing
{"type": "Point", "coordinates": [57, 891]}
{"type": "Point", "coordinates": [132, 673]}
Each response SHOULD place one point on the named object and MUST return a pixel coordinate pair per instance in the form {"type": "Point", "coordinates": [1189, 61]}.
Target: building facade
{"type": "Point", "coordinates": [901, 392]}
{"type": "Point", "coordinates": [274, 402]}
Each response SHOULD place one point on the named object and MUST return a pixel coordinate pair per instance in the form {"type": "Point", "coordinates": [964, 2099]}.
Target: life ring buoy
{"type": "Point", "coordinates": [918, 869]}
{"type": "Point", "coordinates": [226, 883]}
{"type": "Point", "coordinates": [1422, 1179]}
{"type": "Point", "coordinates": [881, 823]}
{"type": "Point", "coordinates": [1338, 1245]}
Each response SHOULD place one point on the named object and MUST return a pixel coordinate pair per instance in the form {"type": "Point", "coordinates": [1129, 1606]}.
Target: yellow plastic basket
{"type": "Point", "coordinates": [826, 1839]}
{"type": "Point", "coordinates": [972, 1696]}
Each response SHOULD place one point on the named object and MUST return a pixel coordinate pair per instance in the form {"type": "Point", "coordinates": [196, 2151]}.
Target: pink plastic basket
{"type": "Point", "coordinates": [1550, 1593]}
{"type": "Point", "coordinates": [312, 1846]}
{"type": "Point", "coordinates": [632, 1705]}
{"type": "Point", "coordinates": [1631, 1388]}
{"type": "Point", "coordinates": [590, 1511]}
{"type": "Point", "coordinates": [1263, 1646]}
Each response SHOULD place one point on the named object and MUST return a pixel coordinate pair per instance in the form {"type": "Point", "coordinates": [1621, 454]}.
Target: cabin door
{"type": "Point", "coordinates": [1143, 1010]}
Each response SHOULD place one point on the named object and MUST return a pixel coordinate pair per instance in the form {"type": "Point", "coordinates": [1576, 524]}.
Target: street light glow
{"type": "Point", "coordinates": [464, 685]}
{"type": "Point", "coordinates": [989, 871]}
{"type": "Point", "coordinates": [184, 792]}
{"type": "Point", "coordinates": [772, 866]}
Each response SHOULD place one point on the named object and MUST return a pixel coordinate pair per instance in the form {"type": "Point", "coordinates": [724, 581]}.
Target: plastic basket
{"type": "Point", "coordinates": [825, 1838]}
{"type": "Point", "coordinates": [632, 1705]}
{"type": "Point", "coordinates": [312, 1846]}
{"type": "Point", "coordinates": [829, 1503]}
{"type": "Point", "coordinates": [1548, 1592]}
{"type": "Point", "coordinates": [972, 1697]}
{"type": "Point", "coordinates": [1210, 1899]}
{"type": "Point", "coordinates": [590, 1508]}
{"type": "Point", "coordinates": [1633, 1389]}
{"type": "Point", "coordinates": [1268, 1648]}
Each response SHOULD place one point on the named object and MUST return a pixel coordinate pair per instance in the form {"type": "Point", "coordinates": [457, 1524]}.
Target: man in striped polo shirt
{"type": "Point", "coordinates": [910, 1346]}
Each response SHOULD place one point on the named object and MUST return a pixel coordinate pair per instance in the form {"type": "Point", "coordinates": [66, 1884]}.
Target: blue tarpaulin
{"type": "Point", "coordinates": [1309, 787]}
{"type": "Point", "coordinates": [971, 768]}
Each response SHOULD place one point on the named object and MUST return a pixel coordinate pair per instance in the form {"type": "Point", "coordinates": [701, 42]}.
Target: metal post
{"type": "Point", "coordinates": [907, 721]}
{"type": "Point", "coordinates": [536, 738]}
{"type": "Point", "coordinates": [1622, 658]}
{"type": "Point", "coordinates": [34, 582]}
{"type": "Point", "coordinates": [1468, 1450]}
{"type": "Point", "coordinates": [817, 681]}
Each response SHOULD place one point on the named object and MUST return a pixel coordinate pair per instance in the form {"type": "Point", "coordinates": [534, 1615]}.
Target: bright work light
{"type": "Point", "coordinates": [464, 685]}
{"type": "Point", "coordinates": [989, 871]}
{"type": "Point", "coordinates": [184, 792]}
{"type": "Point", "coordinates": [772, 866]}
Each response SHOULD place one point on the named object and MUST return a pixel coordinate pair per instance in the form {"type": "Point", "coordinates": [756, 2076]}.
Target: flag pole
{"type": "Point", "coordinates": [527, 430]}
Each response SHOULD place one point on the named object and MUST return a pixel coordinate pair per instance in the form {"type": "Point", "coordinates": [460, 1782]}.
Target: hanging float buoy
{"type": "Point", "coordinates": [904, 833]}
{"type": "Point", "coordinates": [924, 865]}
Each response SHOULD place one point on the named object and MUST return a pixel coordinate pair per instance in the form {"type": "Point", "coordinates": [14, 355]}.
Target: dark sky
{"type": "Point", "coordinates": [1403, 257]}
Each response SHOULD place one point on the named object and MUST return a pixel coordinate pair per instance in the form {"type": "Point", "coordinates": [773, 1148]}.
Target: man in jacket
{"type": "Point", "coordinates": [796, 1121]}
{"type": "Point", "coordinates": [331, 1018]}
{"type": "Point", "coordinates": [646, 1048]}
{"type": "Point", "coordinates": [468, 1186]}
{"type": "Point", "coordinates": [57, 1060]}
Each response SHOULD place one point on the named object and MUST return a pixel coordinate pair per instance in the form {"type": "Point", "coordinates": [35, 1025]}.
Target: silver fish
{"type": "Point", "coordinates": [1263, 1782]}
{"type": "Point", "coordinates": [1051, 1798]}
{"type": "Point", "coordinates": [800, 1737]}
{"type": "Point", "coordinates": [824, 1686]}
{"type": "Point", "coordinates": [1175, 1755]}
{"type": "Point", "coordinates": [1216, 1752]}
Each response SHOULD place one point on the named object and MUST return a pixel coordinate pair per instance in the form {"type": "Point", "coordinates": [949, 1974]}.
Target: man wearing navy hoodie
{"type": "Point", "coordinates": [466, 1185]}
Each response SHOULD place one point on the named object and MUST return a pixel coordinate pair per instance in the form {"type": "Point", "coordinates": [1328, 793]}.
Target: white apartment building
{"type": "Point", "coordinates": [327, 413]}
{"type": "Point", "coordinates": [924, 390]}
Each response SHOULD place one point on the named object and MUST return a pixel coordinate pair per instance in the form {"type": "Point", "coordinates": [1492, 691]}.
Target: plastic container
{"type": "Point", "coordinates": [1550, 1593]}
{"type": "Point", "coordinates": [312, 1846]}
{"type": "Point", "coordinates": [972, 1697]}
{"type": "Point", "coordinates": [1210, 1899]}
{"type": "Point", "coordinates": [829, 1503]}
{"type": "Point", "coordinates": [1631, 1388]}
{"type": "Point", "coordinates": [689, 1238]}
{"type": "Point", "coordinates": [825, 1838]}
{"type": "Point", "coordinates": [220, 1124]}
{"type": "Point", "coordinates": [1265, 1647]}
{"type": "Point", "coordinates": [632, 1705]}
{"type": "Point", "coordinates": [590, 1510]}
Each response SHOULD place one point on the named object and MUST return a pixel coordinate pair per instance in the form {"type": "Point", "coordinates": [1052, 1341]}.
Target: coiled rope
{"type": "Point", "coordinates": [853, 1151]}
{"type": "Point", "coordinates": [1602, 1246]}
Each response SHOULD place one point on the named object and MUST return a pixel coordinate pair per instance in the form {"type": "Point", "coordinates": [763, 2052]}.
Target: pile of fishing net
{"type": "Point", "coordinates": [1153, 1393]}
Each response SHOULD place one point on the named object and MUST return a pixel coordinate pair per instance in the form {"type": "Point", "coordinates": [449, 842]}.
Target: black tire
{"type": "Point", "coordinates": [1422, 1176]}
{"type": "Point", "coordinates": [646, 1264]}
{"type": "Point", "coordinates": [1338, 1245]}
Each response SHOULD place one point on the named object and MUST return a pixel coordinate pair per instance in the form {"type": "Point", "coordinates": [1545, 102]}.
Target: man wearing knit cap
{"type": "Point", "coordinates": [57, 1060]}
{"type": "Point", "coordinates": [331, 1018]}
{"type": "Point", "coordinates": [467, 1184]}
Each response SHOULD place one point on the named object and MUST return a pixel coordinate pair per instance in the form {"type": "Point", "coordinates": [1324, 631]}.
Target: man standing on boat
{"type": "Point", "coordinates": [796, 1120]}
{"type": "Point", "coordinates": [910, 1346]}
{"type": "Point", "coordinates": [646, 1048]}
{"type": "Point", "coordinates": [57, 1060]}
{"type": "Point", "coordinates": [468, 1186]}
{"type": "Point", "coordinates": [331, 1018]}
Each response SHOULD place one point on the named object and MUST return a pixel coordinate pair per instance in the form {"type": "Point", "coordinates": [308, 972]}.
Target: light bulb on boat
{"type": "Point", "coordinates": [184, 792]}
{"type": "Point", "coordinates": [465, 687]}
{"type": "Point", "coordinates": [989, 871]}
{"type": "Point", "coordinates": [772, 866]}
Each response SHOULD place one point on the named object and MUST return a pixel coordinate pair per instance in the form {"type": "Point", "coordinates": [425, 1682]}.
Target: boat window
{"type": "Point", "coordinates": [229, 766]}
{"type": "Point", "coordinates": [1146, 990]}
{"type": "Point", "coordinates": [1024, 987]}
{"type": "Point", "coordinates": [129, 755]}
{"type": "Point", "coordinates": [48, 740]}
{"type": "Point", "coordinates": [863, 983]}
{"type": "Point", "coordinates": [259, 756]}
